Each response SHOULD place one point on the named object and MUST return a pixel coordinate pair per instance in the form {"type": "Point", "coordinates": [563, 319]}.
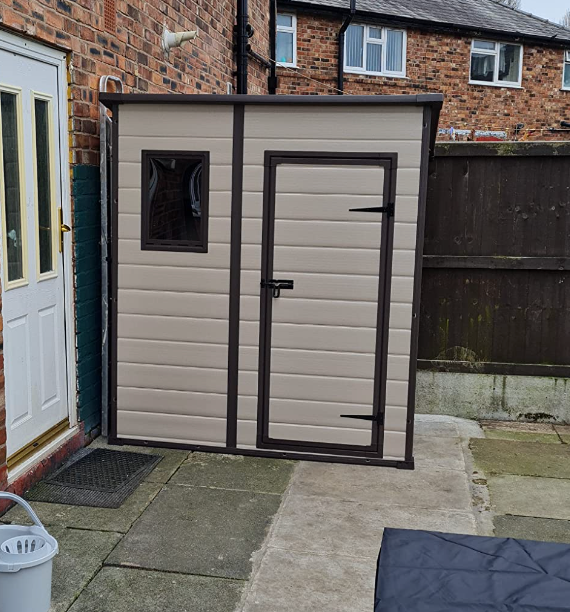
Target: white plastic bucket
{"type": "Point", "coordinates": [26, 559]}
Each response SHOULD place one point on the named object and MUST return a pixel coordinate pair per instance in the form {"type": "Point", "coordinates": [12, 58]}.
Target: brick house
{"type": "Point", "coordinates": [52, 56]}
{"type": "Point", "coordinates": [497, 67]}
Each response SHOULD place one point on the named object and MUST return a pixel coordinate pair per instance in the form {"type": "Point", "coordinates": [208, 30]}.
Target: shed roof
{"type": "Point", "coordinates": [480, 15]}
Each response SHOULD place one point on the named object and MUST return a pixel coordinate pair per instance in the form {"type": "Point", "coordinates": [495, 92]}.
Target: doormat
{"type": "Point", "coordinates": [99, 478]}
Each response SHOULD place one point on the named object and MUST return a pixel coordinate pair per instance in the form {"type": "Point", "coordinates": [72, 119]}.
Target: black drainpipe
{"type": "Point", "coordinates": [272, 79]}
{"type": "Point", "coordinates": [343, 28]}
{"type": "Point", "coordinates": [242, 37]}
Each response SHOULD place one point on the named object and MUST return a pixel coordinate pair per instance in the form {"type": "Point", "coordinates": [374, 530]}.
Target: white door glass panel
{"type": "Point", "coordinates": [12, 186]}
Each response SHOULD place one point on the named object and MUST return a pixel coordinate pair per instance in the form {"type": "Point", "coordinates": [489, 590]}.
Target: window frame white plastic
{"type": "Point", "coordinates": [497, 54]}
{"type": "Point", "coordinates": [292, 29]}
{"type": "Point", "coordinates": [565, 66]}
{"type": "Point", "coordinates": [366, 39]}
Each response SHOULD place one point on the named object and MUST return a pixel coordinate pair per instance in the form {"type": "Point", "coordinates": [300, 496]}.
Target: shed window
{"type": "Point", "coordinates": [286, 40]}
{"type": "Point", "coordinates": [566, 78]}
{"type": "Point", "coordinates": [175, 201]}
{"type": "Point", "coordinates": [495, 63]}
{"type": "Point", "coordinates": [372, 50]}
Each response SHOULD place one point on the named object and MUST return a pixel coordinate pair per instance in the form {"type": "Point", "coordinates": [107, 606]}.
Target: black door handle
{"type": "Point", "coordinates": [276, 285]}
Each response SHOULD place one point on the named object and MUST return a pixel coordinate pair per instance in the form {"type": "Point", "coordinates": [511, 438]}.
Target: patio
{"type": "Point", "coordinates": [219, 533]}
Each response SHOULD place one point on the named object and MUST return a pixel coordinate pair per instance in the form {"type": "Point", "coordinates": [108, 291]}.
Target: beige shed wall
{"type": "Point", "coordinates": [366, 129]}
{"type": "Point", "coordinates": [173, 307]}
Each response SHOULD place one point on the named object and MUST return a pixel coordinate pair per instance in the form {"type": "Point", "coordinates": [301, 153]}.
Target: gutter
{"type": "Point", "coordinates": [272, 78]}
{"type": "Point", "coordinates": [341, 37]}
{"type": "Point", "coordinates": [242, 22]}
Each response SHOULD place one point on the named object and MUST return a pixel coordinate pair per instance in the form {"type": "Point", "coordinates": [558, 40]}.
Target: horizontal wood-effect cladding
{"type": "Point", "coordinates": [173, 307]}
{"type": "Point", "coordinates": [334, 268]}
{"type": "Point", "coordinates": [496, 279]}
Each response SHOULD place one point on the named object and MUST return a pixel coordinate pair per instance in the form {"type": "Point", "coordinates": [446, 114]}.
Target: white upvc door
{"type": "Point", "coordinates": [33, 303]}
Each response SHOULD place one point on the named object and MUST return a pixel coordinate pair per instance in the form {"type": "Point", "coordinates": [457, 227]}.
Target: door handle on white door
{"type": "Point", "coordinates": [63, 228]}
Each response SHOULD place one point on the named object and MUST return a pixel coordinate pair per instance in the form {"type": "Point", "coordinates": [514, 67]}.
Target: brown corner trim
{"type": "Point", "coordinates": [114, 273]}
{"type": "Point", "coordinates": [235, 275]}
{"type": "Point", "coordinates": [427, 139]}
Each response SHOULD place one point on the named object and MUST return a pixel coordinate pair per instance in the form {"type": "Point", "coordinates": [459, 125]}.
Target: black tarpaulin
{"type": "Point", "coordinates": [426, 571]}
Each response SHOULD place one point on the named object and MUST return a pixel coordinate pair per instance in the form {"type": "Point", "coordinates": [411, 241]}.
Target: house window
{"type": "Point", "coordinates": [286, 40]}
{"type": "Point", "coordinates": [566, 77]}
{"type": "Point", "coordinates": [495, 63]}
{"type": "Point", "coordinates": [175, 201]}
{"type": "Point", "coordinates": [372, 50]}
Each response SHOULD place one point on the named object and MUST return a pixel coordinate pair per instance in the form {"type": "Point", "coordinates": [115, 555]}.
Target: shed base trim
{"type": "Point", "coordinates": [394, 463]}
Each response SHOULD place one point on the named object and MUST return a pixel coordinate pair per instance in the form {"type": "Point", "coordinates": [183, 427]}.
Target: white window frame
{"type": "Point", "coordinates": [565, 66]}
{"type": "Point", "coordinates": [382, 41]}
{"type": "Point", "coordinates": [292, 29]}
{"type": "Point", "coordinates": [497, 54]}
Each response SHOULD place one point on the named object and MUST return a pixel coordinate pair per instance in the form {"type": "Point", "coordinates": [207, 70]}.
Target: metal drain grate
{"type": "Point", "coordinates": [100, 478]}
{"type": "Point", "coordinates": [102, 470]}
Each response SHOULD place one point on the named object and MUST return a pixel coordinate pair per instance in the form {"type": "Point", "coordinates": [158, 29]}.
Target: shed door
{"type": "Point", "coordinates": [325, 301]}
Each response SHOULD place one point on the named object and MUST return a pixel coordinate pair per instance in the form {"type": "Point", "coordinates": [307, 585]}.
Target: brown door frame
{"type": "Point", "coordinates": [388, 161]}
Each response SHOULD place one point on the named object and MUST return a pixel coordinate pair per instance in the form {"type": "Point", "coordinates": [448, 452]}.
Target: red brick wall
{"type": "Point", "coordinates": [134, 51]}
{"type": "Point", "coordinates": [438, 63]}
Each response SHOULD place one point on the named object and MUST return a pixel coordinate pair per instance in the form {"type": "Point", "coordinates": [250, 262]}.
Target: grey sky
{"type": "Point", "coordinates": [549, 9]}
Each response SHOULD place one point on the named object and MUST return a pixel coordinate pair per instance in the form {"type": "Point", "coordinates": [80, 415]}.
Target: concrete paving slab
{"type": "Point", "coordinates": [530, 528]}
{"type": "Point", "coordinates": [82, 517]}
{"type": "Point", "coordinates": [528, 496]}
{"type": "Point", "coordinates": [312, 583]}
{"type": "Point", "coordinates": [235, 472]}
{"type": "Point", "coordinates": [521, 458]}
{"type": "Point", "coordinates": [171, 458]}
{"type": "Point", "coordinates": [128, 590]}
{"type": "Point", "coordinates": [194, 530]}
{"type": "Point", "coordinates": [523, 436]}
{"type": "Point", "coordinates": [420, 488]}
{"type": "Point", "coordinates": [438, 452]}
{"type": "Point", "coordinates": [81, 555]}
{"type": "Point", "coordinates": [334, 527]}
{"type": "Point", "coordinates": [442, 429]}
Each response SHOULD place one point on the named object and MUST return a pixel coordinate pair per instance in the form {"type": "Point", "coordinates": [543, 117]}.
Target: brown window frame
{"type": "Point", "coordinates": [149, 244]}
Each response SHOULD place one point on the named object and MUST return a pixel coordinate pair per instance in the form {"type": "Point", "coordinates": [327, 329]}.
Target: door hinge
{"type": "Point", "coordinates": [378, 418]}
{"type": "Point", "coordinates": [389, 209]}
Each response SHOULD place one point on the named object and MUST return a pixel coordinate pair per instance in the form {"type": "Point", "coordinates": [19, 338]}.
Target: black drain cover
{"type": "Point", "coordinates": [98, 477]}
{"type": "Point", "coordinates": [102, 470]}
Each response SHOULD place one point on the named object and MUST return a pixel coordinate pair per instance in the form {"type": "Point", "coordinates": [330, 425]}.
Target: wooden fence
{"type": "Point", "coordinates": [496, 278]}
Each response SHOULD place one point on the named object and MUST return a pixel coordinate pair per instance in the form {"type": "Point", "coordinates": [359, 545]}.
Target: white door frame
{"type": "Point", "coordinates": [48, 55]}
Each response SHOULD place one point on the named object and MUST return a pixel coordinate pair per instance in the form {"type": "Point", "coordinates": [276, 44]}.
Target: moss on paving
{"type": "Point", "coordinates": [523, 436]}
{"type": "Point", "coordinates": [117, 589]}
{"type": "Point", "coordinates": [235, 472]}
{"type": "Point", "coordinates": [531, 528]}
{"type": "Point", "coordinates": [521, 458]}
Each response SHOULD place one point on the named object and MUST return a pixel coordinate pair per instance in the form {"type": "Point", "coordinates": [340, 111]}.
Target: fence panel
{"type": "Point", "coordinates": [496, 279]}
